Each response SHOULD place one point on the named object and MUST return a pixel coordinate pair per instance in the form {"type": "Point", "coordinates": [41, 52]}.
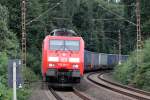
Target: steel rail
{"type": "Point", "coordinates": [124, 86]}
{"type": "Point", "coordinates": [133, 95]}
{"type": "Point", "coordinates": [80, 95]}
{"type": "Point", "coordinates": [55, 94]}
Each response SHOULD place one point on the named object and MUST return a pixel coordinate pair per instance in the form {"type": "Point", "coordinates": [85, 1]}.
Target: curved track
{"type": "Point", "coordinates": [125, 87]}
{"type": "Point", "coordinates": [137, 94]}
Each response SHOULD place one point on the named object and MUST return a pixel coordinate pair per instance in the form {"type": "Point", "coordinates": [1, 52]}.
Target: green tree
{"type": "Point", "coordinates": [8, 42]}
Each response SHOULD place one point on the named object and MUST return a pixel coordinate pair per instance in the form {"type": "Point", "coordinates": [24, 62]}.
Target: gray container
{"type": "Point", "coordinates": [102, 59]}
{"type": "Point", "coordinates": [95, 59]}
{"type": "Point", "coordinates": [87, 59]}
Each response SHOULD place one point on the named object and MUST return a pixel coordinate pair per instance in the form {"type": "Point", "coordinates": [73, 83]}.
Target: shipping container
{"type": "Point", "coordinates": [95, 59]}
{"type": "Point", "coordinates": [112, 59]}
{"type": "Point", "coordinates": [87, 59]}
{"type": "Point", "coordinates": [102, 59]}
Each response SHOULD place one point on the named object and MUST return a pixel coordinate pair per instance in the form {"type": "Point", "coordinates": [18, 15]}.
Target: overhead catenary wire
{"type": "Point", "coordinates": [94, 19]}
{"type": "Point", "coordinates": [120, 17]}
{"type": "Point", "coordinates": [117, 15]}
{"type": "Point", "coordinates": [35, 19]}
{"type": "Point", "coordinates": [57, 18]}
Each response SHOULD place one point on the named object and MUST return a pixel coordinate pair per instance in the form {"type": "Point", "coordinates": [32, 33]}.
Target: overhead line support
{"type": "Point", "coordinates": [139, 41]}
{"type": "Point", "coordinates": [119, 37]}
{"type": "Point", "coordinates": [23, 24]}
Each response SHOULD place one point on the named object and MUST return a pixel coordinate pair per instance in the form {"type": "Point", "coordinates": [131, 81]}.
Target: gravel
{"type": "Point", "coordinates": [86, 87]}
{"type": "Point", "coordinates": [68, 96]}
{"type": "Point", "coordinates": [41, 94]}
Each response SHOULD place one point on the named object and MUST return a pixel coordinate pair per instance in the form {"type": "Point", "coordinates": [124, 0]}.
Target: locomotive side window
{"type": "Point", "coordinates": [73, 45]}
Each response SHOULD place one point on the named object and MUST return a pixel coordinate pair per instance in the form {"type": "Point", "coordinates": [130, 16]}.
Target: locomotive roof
{"type": "Point", "coordinates": [71, 32]}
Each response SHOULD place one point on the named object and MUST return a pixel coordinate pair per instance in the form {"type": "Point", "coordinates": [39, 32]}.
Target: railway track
{"type": "Point", "coordinates": [55, 94]}
{"type": "Point", "coordinates": [65, 95]}
{"type": "Point", "coordinates": [125, 87]}
{"type": "Point", "coordinates": [131, 92]}
{"type": "Point", "coordinates": [81, 95]}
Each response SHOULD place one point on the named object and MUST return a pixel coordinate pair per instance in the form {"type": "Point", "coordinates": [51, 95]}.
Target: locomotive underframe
{"type": "Point", "coordinates": [63, 77]}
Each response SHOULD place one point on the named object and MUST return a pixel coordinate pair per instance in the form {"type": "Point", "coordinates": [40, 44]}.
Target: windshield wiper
{"type": "Point", "coordinates": [68, 49]}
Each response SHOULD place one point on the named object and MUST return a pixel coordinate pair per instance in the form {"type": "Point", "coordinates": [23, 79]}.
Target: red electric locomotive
{"type": "Point", "coordinates": [62, 58]}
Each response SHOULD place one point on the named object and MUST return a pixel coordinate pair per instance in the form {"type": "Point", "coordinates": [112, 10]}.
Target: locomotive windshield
{"type": "Point", "coordinates": [73, 45]}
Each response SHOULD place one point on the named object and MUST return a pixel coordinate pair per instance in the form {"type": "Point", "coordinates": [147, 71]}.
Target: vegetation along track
{"type": "Point", "coordinates": [73, 91]}
{"type": "Point", "coordinates": [131, 92]}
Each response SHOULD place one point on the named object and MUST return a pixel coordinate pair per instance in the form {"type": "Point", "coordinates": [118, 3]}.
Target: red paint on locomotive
{"type": "Point", "coordinates": [62, 59]}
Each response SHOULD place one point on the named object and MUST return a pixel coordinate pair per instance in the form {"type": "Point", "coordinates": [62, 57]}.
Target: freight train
{"type": "Point", "coordinates": [62, 58]}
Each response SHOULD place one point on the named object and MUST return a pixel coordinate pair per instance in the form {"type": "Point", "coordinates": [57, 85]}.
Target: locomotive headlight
{"type": "Point", "coordinates": [74, 60]}
{"type": "Point", "coordinates": [53, 59]}
{"type": "Point", "coordinates": [75, 66]}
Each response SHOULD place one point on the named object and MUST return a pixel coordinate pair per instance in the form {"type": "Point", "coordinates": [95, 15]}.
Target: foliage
{"type": "Point", "coordinates": [9, 42]}
{"type": "Point", "coordinates": [3, 63]}
{"type": "Point", "coordinates": [23, 94]}
{"type": "Point", "coordinates": [14, 17]}
{"type": "Point", "coordinates": [34, 62]}
{"type": "Point", "coordinates": [9, 48]}
{"type": "Point", "coordinates": [130, 7]}
{"type": "Point", "coordinates": [5, 93]}
{"type": "Point", "coordinates": [130, 73]}
{"type": "Point", "coordinates": [29, 75]}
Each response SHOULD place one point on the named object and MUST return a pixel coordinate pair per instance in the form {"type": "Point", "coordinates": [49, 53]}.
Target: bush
{"type": "Point", "coordinates": [34, 62]}
{"type": "Point", "coordinates": [29, 75]}
{"type": "Point", "coordinates": [3, 63]}
{"type": "Point", "coordinates": [5, 93]}
{"type": "Point", "coordinates": [3, 67]}
{"type": "Point", "coordinates": [130, 73]}
{"type": "Point", "coordinates": [23, 94]}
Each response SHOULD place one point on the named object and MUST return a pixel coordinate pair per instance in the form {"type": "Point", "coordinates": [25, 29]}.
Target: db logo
{"type": "Point", "coordinates": [63, 59]}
